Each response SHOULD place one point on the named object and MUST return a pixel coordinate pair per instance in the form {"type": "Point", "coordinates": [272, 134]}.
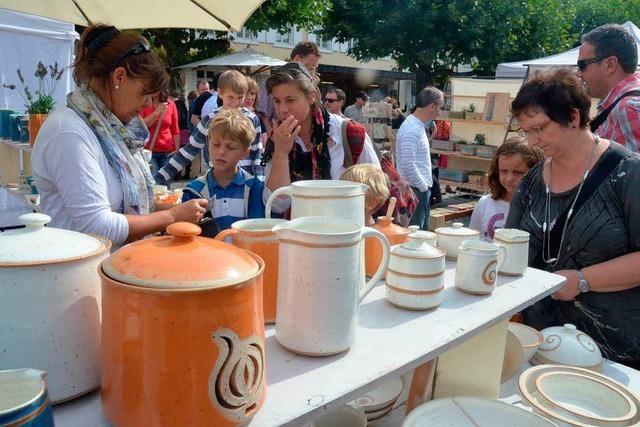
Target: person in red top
{"type": "Point", "coordinates": [165, 140]}
{"type": "Point", "coordinates": [607, 63]}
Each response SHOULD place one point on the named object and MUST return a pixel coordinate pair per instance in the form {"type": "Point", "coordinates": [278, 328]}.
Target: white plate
{"type": "Point", "coordinates": [578, 396]}
{"type": "Point", "coordinates": [380, 397]}
{"type": "Point", "coordinates": [472, 412]}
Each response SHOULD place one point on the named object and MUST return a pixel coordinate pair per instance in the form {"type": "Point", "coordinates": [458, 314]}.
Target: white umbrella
{"type": "Point", "coordinates": [221, 15]}
{"type": "Point", "coordinates": [246, 58]}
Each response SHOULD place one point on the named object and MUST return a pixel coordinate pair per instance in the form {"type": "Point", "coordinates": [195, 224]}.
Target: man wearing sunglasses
{"type": "Point", "coordinates": [334, 101]}
{"type": "Point", "coordinates": [607, 63]}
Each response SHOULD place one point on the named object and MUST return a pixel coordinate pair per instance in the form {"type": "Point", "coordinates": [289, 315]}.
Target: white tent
{"type": "Point", "coordinates": [25, 40]}
{"type": "Point", "coordinates": [570, 57]}
{"type": "Point", "coordinates": [245, 59]}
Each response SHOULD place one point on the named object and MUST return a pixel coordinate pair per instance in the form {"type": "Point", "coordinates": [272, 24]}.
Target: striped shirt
{"type": "Point", "coordinates": [413, 156]}
{"type": "Point", "coordinates": [623, 123]}
{"type": "Point", "coordinates": [241, 199]}
{"type": "Point", "coordinates": [199, 141]}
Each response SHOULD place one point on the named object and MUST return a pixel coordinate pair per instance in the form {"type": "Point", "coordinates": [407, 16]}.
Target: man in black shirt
{"type": "Point", "coordinates": [202, 99]}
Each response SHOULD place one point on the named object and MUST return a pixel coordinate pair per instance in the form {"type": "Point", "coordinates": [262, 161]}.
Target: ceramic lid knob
{"type": "Point", "coordinates": [570, 326]}
{"type": "Point", "coordinates": [457, 225]}
{"type": "Point", "coordinates": [34, 220]}
{"type": "Point", "coordinates": [184, 229]}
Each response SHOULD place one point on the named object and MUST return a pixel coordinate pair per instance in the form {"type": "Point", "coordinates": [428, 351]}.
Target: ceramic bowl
{"type": "Point", "coordinates": [346, 416]}
{"type": "Point", "coordinates": [380, 397]}
{"type": "Point", "coordinates": [577, 396]}
{"type": "Point", "coordinates": [566, 345]}
{"type": "Point", "coordinates": [529, 338]}
{"type": "Point", "coordinates": [472, 412]}
{"type": "Point", "coordinates": [374, 415]}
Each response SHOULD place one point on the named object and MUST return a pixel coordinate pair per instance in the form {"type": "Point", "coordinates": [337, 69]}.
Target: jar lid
{"type": "Point", "coordinates": [416, 246]}
{"type": "Point", "coordinates": [457, 229]}
{"type": "Point", "coordinates": [36, 244]}
{"type": "Point", "coordinates": [386, 226]}
{"type": "Point", "coordinates": [181, 260]}
{"type": "Point", "coordinates": [511, 235]}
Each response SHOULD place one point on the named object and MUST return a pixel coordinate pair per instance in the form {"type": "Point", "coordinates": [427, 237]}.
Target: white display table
{"type": "Point", "coordinates": [390, 341]}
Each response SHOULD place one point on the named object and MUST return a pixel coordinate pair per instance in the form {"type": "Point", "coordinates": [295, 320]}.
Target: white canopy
{"type": "Point", "coordinates": [570, 57]}
{"type": "Point", "coordinates": [25, 40]}
{"type": "Point", "coordinates": [221, 15]}
{"type": "Point", "coordinates": [245, 58]}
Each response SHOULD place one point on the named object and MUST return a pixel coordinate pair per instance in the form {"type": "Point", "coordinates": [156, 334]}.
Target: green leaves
{"type": "Point", "coordinates": [41, 101]}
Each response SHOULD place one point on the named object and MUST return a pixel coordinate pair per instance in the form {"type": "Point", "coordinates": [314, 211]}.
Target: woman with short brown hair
{"type": "Point", "coordinates": [88, 162]}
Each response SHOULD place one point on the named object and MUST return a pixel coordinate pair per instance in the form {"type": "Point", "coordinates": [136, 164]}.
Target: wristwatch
{"type": "Point", "coordinates": [583, 285]}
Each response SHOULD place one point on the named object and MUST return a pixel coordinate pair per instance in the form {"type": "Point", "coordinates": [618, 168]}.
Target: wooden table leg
{"type": "Point", "coordinates": [421, 384]}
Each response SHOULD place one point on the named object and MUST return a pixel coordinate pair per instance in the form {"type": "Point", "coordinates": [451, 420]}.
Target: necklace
{"type": "Point", "coordinates": [546, 225]}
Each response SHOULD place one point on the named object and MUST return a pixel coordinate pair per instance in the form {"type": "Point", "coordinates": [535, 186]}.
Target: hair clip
{"type": "Point", "coordinates": [103, 36]}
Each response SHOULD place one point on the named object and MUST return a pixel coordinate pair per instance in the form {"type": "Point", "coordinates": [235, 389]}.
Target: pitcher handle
{"type": "Point", "coordinates": [386, 250]}
{"type": "Point", "coordinates": [280, 191]}
{"type": "Point", "coordinates": [502, 255]}
{"type": "Point", "coordinates": [229, 232]}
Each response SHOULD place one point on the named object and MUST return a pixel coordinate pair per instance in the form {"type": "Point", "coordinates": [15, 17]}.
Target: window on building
{"type": "Point", "coordinates": [324, 44]}
{"type": "Point", "coordinates": [285, 38]}
{"type": "Point", "coordinates": [245, 34]}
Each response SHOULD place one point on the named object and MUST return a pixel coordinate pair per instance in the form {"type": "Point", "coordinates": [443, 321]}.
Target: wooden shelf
{"type": "Point", "coordinates": [22, 146]}
{"type": "Point", "coordinates": [459, 154]}
{"type": "Point", "coordinates": [464, 185]}
{"type": "Point", "coordinates": [479, 122]}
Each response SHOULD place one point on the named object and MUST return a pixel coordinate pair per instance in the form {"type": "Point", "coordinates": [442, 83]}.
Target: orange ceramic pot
{"type": "Point", "coordinates": [255, 235]}
{"type": "Point", "coordinates": [373, 249]}
{"type": "Point", "coordinates": [183, 332]}
{"type": "Point", "coordinates": [35, 123]}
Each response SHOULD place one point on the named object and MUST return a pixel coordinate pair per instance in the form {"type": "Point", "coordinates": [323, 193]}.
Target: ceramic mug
{"type": "Point", "coordinates": [516, 243]}
{"type": "Point", "coordinates": [477, 266]}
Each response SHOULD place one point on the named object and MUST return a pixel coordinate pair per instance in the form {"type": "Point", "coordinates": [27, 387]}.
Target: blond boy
{"type": "Point", "coordinates": [233, 193]}
{"type": "Point", "coordinates": [378, 191]}
{"type": "Point", "coordinates": [232, 87]}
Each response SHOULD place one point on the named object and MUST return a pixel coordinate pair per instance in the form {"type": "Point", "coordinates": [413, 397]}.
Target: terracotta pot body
{"type": "Point", "coordinates": [50, 304]}
{"type": "Point", "coordinates": [395, 234]}
{"type": "Point", "coordinates": [415, 277]}
{"type": "Point", "coordinates": [255, 235]}
{"type": "Point", "coordinates": [35, 123]}
{"type": "Point", "coordinates": [319, 280]}
{"type": "Point", "coordinates": [184, 344]}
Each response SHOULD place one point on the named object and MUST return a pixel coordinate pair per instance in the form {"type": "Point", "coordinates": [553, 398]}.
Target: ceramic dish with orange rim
{"type": "Point", "coordinates": [578, 396]}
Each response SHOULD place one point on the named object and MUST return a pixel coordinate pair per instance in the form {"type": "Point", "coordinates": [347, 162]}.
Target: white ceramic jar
{"type": "Point", "coordinates": [477, 266]}
{"type": "Point", "coordinates": [566, 345]}
{"type": "Point", "coordinates": [450, 238]}
{"type": "Point", "coordinates": [415, 277]}
{"type": "Point", "coordinates": [516, 242]}
{"type": "Point", "coordinates": [50, 304]}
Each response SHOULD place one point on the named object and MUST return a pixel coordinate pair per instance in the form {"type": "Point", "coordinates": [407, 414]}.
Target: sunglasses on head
{"type": "Point", "coordinates": [141, 46]}
{"type": "Point", "coordinates": [295, 68]}
{"type": "Point", "coordinates": [584, 63]}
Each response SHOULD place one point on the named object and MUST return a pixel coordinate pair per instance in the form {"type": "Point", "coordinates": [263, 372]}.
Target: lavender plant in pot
{"type": "Point", "coordinates": [40, 102]}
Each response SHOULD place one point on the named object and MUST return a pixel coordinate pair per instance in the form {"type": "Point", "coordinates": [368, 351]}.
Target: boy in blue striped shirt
{"type": "Point", "coordinates": [233, 193]}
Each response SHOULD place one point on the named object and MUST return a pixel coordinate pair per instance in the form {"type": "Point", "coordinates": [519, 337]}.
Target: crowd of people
{"type": "Point", "coordinates": [569, 180]}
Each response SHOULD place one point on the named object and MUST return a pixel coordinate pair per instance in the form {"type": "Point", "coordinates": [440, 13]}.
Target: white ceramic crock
{"type": "Point", "coordinates": [415, 277]}
{"type": "Point", "coordinates": [327, 198]}
{"type": "Point", "coordinates": [566, 345]}
{"type": "Point", "coordinates": [516, 242]}
{"type": "Point", "coordinates": [450, 238]}
{"type": "Point", "coordinates": [50, 304]}
{"type": "Point", "coordinates": [319, 280]}
{"type": "Point", "coordinates": [477, 266]}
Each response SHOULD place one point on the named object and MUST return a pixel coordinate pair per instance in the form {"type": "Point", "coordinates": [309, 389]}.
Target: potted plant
{"type": "Point", "coordinates": [480, 139]}
{"type": "Point", "coordinates": [40, 102]}
{"type": "Point", "coordinates": [470, 112]}
{"type": "Point", "coordinates": [465, 148]}
{"type": "Point", "coordinates": [457, 114]}
{"type": "Point", "coordinates": [482, 149]}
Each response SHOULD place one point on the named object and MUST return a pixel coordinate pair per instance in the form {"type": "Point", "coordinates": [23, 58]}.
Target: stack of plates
{"type": "Point", "coordinates": [578, 396]}
{"type": "Point", "coordinates": [379, 402]}
{"type": "Point", "coordinates": [472, 412]}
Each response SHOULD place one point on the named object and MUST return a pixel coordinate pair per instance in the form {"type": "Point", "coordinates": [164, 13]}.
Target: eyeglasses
{"type": "Point", "coordinates": [141, 47]}
{"type": "Point", "coordinates": [584, 63]}
{"type": "Point", "coordinates": [330, 100]}
{"type": "Point", "coordinates": [535, 131]}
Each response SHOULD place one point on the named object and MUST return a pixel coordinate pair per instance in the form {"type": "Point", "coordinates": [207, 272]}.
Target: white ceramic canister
{"type": "Point", "coordinates": [327, 198]}
{"type": "Point", "coordinates": [477, 266]}
{"type": "Point", "coordinates": [516, 242]}
{"type": "Point", "coordinates": [415, 277]}
{"type": "Point", "coordinates": [50, 304]}
{"type": "Point", "coordinates": [429, 237]}
{"type": "Point", "coordinates": [450, 238]}
{"type": "Point", "coordinates": [319, 278]}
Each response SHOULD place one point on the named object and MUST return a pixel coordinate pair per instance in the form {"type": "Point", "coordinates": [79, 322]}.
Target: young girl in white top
{"type": "Point", "coordinates": [510, 163]}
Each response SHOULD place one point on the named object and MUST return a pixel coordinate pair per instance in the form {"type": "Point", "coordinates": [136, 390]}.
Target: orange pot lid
{"type": "Point", "coordinates": [180, 260]}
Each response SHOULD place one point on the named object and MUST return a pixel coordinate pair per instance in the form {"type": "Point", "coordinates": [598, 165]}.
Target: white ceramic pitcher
{"type": "Point", "coordinates": [319, 280]}
{"type": "Point", "coordinates": [327, 198]}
